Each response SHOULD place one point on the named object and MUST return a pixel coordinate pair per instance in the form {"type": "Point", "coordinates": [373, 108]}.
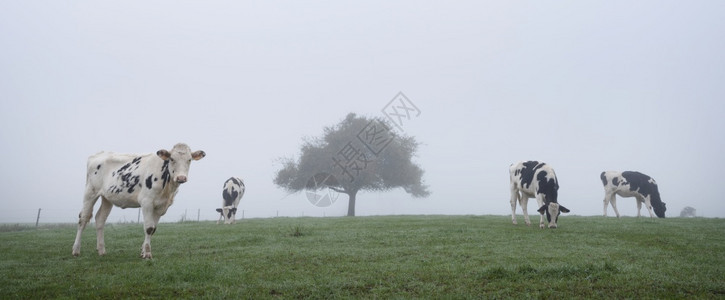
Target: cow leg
{"type": "Point", "coordinates": [649, 206]}
{"type": "Point", "coordinates": [149, 225]}
{"type": "Point", "coordinates": [607, 198]}
{"type": "Point", "coordinates": [514, 198]}
{"type": "Point", "coordinates": [639, 205]}
{"type": "Point", "coordinates": [89, 200]}
{"type": "Point", "coordinates": [101, 216]}
{"type": "Point", "coordinates": [613, 200]}
{"type": "Point", "coordinates": [524, 202]}
{"type": "Point", "coordinates": [540, 201]}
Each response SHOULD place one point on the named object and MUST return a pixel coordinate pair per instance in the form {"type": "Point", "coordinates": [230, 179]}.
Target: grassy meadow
{"type": "Point", "coordinates": [373, 257]}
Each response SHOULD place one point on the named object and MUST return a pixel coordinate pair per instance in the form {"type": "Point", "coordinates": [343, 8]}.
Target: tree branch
{"type": "Point", "coordinates": [337, 190]}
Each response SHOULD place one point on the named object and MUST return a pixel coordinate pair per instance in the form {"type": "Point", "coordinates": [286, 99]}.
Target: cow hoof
{"type": "Point", "coordinates": [541, 226]}
{"type": "Point", "coordinates": [76, 254]}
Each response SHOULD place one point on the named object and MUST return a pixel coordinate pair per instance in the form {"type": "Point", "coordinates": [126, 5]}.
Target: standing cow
{"type": "Point", "coordinates": [632, 184]}
{"type": "Point", "coordinates": [533, 179]}
{"type": "Point", "coordinates": [127, 180]}
{"type": "Point", "coordinates": [232, 193]}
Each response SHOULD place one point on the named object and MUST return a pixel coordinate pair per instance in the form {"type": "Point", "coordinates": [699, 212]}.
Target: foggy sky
{"type": "Point", "coordinates": [584, 86]}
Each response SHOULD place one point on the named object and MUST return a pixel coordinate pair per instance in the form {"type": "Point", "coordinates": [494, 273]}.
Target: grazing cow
{"type": "Point", "coordinates": [533, 179]}
{"type": "Point", "coordinates": [147, 181]}
{"type": "Point", "coordinates": [232, 193]}
{"type": "Point", "coordinates": [632, 184]}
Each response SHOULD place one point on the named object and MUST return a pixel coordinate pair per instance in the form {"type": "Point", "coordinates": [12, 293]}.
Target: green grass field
{"type": "Point", "coordinates": [374, 257]}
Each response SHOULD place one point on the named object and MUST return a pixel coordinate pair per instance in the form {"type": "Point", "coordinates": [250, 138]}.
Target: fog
{"type": "Point", "coordinates": [584, 86]}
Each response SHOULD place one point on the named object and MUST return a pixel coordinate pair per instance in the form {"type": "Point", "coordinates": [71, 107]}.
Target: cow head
{"type": "Point", "coordinates": [179, 160]}
{"type": "Point", "coordinates": [227, 212]}
{"type": "Point", "coordinates": [552, 210]}
{"type": "Point", "coordinates": [659, 209]}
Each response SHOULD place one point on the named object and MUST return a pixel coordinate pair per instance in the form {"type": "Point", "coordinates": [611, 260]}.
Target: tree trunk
{"type": "Point", "coordinates": [351, 204]}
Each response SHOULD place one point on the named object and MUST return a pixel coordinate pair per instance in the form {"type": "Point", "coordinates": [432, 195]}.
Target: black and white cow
{"type": "Point", "coordinates": [632, 184]}
{"type": "Point", "coordinates": [147, 181]}
{"type": "Point", "coordinates": [232, 193]}
{"type": "Point", "coordinates": [533, 179]}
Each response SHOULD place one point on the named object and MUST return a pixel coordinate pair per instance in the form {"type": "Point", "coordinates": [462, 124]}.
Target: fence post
{"type": "Point", "coordinates": [138, 219]}
{"type": "Point", "coordinates": [198, 214]}
{"type": "Point", "coordinates": [37, 219]}
{"type": "Point", "coordinates": [242, 214]}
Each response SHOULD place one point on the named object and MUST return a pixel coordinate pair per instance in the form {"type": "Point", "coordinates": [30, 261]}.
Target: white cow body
{"type": "Point", "coordinates": [533, 179]}
{"type": "Point", "coordinates": [147, 181]}
{"type": "Point", "coordinates": [233, 191]}
{"type": "Point", "coordinates": [632, 184]}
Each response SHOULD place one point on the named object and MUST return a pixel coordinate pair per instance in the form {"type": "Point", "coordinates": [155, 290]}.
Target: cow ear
{"type": "Point", "coordinates": [198, 155]}
{"type": "Point", "coordinates": [542, 209]}
{"type": "Point", "coordinates": [563, 209]}
{"type": "Point", "coordinates": [165, 155]}
{"type": "Point", "coordinates": [219, 210]}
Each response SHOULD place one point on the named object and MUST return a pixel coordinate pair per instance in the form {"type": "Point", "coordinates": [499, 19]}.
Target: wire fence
{"type": "Point", "coordinates": [133, 215]}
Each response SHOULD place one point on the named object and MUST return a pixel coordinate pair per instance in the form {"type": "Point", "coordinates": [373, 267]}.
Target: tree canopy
{"type": "Point", "coordinates": [362, 154]}
{"type": "Point", "coordinates": [687, 212]}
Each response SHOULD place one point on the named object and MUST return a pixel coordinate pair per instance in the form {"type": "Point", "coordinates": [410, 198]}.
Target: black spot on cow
{"type": "Point", "coordinates": [528, 171]}
{"type": "Point", "coordinates": [133, 181]}
{"type": "Point", "coordinates": [646, 186]}
{"type": "Point", "coordinates": [639, 182]}
{"type": "Point", "coordinates": [150, 230]}
{"type": "Point", "coordinates": [98, 167]}
{"type": "Point", "coordinates": [135, 162]}
{"type": "Point", "coordinates": [549, 187]}
{"type": "Point", "coordinates": [229, 197]}
{"type": "Point", "coordinates": [615, 181]}
{"type": "Point", "coordinates": [165, 175]}
{"type": "Point", "coordinates": [230, 194]}
{"type": "Point", "coordinates": [149, 181]}
{"type": "Point", "coordinates": [129, 181]}
{"type": "Point", "coordinates": [603, 178]}
{"type": "Point", "coordinates": [123, 169]}
{"type": "Point", "coordinates": [114, 189]}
